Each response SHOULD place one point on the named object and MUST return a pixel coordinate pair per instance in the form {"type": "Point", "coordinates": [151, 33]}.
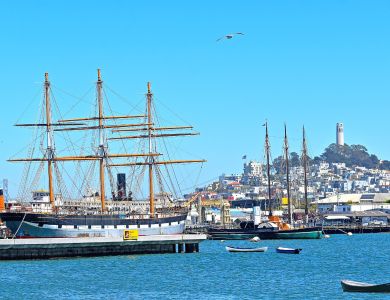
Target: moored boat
{"type": "Point", "coordinates": [30, 225]}
{"type": "Point", "coordinates": [238, 249]}
{"type": "Point", "coordinates": [303, 233]}
{"type": "Point", "coordinates": [51, 215]}
{"type": "Point", "coordinates": [275, 228]}
{"type": "Point", "coordinates": [362, 287]}
{"type": "Point", "coordinates": [288, 250]}
{"type": "Point", "coordinates": [230, 234]}
{"type": "Point", "coordinates": [268, 233]}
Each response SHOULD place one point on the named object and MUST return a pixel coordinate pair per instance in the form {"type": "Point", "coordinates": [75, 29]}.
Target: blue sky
{"type": "Point", "coordinates": [312, 63]}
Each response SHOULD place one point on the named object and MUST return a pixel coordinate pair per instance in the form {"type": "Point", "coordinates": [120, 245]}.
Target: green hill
{"type": "Point", "coordinates": [352, 155]}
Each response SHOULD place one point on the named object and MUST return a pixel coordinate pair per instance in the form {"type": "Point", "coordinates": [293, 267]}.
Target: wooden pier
{"type": "Point", "coordinates": [43, 248]}
{"type": "Point", "coordinates": [343, 229]}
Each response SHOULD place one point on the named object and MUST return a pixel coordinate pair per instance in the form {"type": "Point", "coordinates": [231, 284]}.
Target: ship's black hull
{"type": "Point", "coordinates": [57, 225]}
{"type": "Point", "coordinates": [101, 219]}
{"type": "Point", "coordinates": [264, 233]}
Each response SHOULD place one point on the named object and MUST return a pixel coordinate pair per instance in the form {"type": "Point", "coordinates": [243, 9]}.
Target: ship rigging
{"type": "Point", "coordinates": [148, 157]}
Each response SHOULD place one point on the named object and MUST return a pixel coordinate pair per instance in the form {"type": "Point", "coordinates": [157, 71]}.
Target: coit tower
{"type": "Point", "coordinates": [340, 134]}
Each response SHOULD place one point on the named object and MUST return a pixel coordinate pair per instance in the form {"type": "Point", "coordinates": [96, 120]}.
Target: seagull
{"type": "Point", "coordinates": [229, 36]}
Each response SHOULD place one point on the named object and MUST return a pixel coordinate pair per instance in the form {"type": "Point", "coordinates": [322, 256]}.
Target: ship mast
{"type": "Point", "coordinates": [74, 124]}
{"type": "Point", "coordinates": [267, 150]}
{"type": "Point", "coordinates": [50, 151]}
{"type": "Point", "coordinates": [101, 151]}
{"type": "Point", "coordinates": [287, 174]}
{"type": "Point", "coordinates": [305, 169]}
{"type": "Point", "coordinates": [150, 135]}
{"type": "Point", "coordinates": [149, 96]}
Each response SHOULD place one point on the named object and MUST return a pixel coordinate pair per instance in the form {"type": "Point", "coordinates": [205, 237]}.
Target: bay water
{"type": "Point", "coordinates": [213, 273]}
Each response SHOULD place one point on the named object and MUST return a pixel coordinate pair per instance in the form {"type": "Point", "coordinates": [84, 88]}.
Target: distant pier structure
{"type": "Point", "coordinates": [340, 134]}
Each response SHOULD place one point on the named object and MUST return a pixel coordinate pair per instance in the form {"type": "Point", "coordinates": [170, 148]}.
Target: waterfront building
{"type": "Point", "coordinates": [343, 203]}
{"type": "Point", "coordinates": [372, 218]}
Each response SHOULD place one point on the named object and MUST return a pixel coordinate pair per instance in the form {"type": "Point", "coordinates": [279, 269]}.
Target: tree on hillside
{"type": "Point", "coordinates": [316, 160]}
{"type": "Point", "coordinates": [279, 163]}
{"type": "Point", "coordinates": [335, 153]}
{"type": "Point", "coordinates": [354, 155]}
{"type": "Point", "coordinates": [295, 161]}
{"type": "Point", "coordinates": [384, 165]}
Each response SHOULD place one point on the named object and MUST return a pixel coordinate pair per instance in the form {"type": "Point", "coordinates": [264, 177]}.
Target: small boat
{"type": "Point", "coordinates": [362, 287]}
{"type": "Point", "coordinates": [288, 250]}
{"type": "Point", "coordinates": [237, 249]}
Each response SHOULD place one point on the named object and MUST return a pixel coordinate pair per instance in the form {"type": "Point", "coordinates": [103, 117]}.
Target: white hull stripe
{"type": "Point", "coordinates": [95, 227]}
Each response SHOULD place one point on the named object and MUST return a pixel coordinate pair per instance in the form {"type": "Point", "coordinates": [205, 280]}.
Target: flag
{"type": "Point", "coordinates": [244, 157]}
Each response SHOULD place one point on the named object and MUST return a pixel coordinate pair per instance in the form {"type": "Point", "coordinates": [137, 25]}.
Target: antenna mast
{"type": "Point", "coordinates": [50, 151]}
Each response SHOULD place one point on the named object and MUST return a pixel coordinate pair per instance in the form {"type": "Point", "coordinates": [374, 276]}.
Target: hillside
{"type": "Point", "coordinates": [351, 155]}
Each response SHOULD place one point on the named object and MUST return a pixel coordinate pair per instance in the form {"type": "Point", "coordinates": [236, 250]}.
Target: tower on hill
{"type": "Point", "coordinates": [340, 134]}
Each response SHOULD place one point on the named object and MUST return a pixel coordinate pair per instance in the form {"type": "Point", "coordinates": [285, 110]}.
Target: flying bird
{"type": "Point", "coordinates": [229, 36]}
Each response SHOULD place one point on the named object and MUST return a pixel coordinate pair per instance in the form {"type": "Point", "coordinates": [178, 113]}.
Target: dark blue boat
{"type": "Point", "coordinates": [362, 287]}
{"type": "Point", "coordinates": [288, 250]}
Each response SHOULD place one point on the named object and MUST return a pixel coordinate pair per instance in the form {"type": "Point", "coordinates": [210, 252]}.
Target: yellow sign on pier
{"type": "Point", "coordinates": [130, 234]}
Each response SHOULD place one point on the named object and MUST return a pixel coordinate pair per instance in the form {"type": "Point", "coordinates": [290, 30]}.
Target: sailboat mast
{"type": "Point", "coordinates": [267, 150]}
{"type": "Point", "coordinates": [49, 139]}
{"type": "Point", "coordinates": [304, 159]}
{"type": "Point", "coordinates": [149, 96]}
{"type": "Point", "coordinates": [101, 140]}
{"type": "Point", "coordinates": [287, 174]}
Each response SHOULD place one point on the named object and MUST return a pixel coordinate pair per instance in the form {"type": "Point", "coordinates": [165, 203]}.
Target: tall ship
{"type": "Point", "coordinates": [275, 227]}
{"type": "Point", "coordinates": [53, 213]}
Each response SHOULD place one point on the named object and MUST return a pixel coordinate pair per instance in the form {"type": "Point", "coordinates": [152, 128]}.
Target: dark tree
{"type": "Point", "coordinates": [385, 165]}
{"type": "Point", "coordinates": [354, 155]}
{"type": "Point", "coordinates": [295, 161]}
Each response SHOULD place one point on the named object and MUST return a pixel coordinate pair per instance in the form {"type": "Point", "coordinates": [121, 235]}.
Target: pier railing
{"type": "Point", "coordinates": [355, 228]}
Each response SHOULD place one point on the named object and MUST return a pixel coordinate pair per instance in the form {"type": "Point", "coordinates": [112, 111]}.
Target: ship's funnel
{"type": "Point", "coordinates": [121, 185]}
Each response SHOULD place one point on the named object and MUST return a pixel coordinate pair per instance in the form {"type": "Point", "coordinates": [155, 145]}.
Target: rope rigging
{"type": "Point", "coordinates": [80, 178]}
{"type": "Point", "coordinates": [24, 186]}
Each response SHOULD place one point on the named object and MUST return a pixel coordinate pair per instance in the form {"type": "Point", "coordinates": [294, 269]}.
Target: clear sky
{"type": "Point", "coordinates": [312, 63]}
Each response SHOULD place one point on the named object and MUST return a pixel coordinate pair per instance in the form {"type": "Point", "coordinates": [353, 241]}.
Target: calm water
{"type": "Point", "coordinates": [211, 274]}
